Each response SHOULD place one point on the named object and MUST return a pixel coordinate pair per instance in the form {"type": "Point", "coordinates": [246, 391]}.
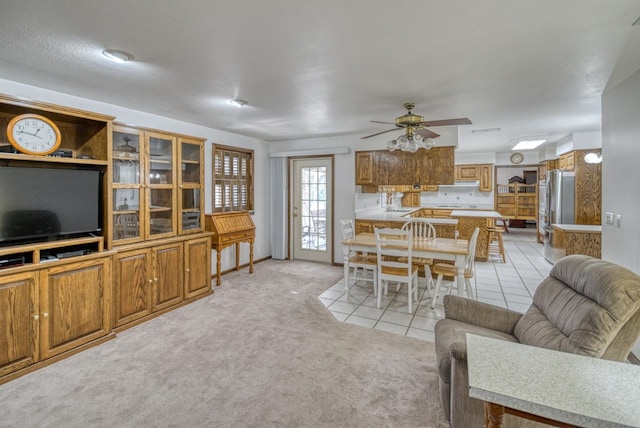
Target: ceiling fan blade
{"type": "Point", "coordinates": [388, 123]}
{"type": "Point", "coordinates": [447, 122]}
{"type": "Point", "coordinates": [426, 133]}
{"type": "Point", "coordinates": [383, 132]}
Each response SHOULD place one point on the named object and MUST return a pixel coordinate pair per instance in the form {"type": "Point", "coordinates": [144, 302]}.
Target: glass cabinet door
{"type": "Point", "coordinates": [161, 185]}
{"type": "Point", "coordinates": [127, 186]}
{"type": "Point", "coordinates": [191, 200]}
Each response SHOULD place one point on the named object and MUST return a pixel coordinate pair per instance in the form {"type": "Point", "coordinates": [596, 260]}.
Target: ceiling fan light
{"type": "Point", "coordinates": [391, 145]}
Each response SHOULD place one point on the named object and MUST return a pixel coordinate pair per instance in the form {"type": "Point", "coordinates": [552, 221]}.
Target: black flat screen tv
{"type": "Point", "coordinates": [40, 204]}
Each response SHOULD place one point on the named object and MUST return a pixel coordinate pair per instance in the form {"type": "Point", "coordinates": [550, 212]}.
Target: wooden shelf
{"type": "Point", "coordinates": [52, 159]}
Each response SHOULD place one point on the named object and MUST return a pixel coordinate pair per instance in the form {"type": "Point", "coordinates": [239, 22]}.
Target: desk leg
{"type": "Point", "coordinates": [218, 266]}
{"type": "Point", "coordinates": [459, 262]}
{"type": "Point", "coordinates": [237, 256]}
{"type": "Point", "coordinates": [251, 257]}
{"type": "Point", "coordinates": [493, 414]}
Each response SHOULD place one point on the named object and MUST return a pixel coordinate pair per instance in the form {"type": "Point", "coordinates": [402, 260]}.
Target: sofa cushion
{"type": "Point", "coordinates": [450, 332]}
{"type": "Point", "coordinates": [580, 307]}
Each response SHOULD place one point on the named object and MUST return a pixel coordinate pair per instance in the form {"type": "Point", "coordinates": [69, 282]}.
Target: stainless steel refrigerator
{"type": "Point", "coordinates": [559, 206]}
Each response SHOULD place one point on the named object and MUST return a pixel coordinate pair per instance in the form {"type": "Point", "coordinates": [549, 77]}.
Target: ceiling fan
{"type": "Point", "coordinates": [416, 130]}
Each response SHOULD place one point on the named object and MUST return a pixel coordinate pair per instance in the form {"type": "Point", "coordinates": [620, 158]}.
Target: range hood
{"type": "Point", "coordinates": [462, 183]}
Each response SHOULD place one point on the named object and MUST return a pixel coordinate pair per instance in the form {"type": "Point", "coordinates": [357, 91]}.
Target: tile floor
{"type": "Point", "coordinates": [509, 285]}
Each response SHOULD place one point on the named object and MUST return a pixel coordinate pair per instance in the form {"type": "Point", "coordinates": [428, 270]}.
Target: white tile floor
{"type": "Point", "coordinates": [509, 285]}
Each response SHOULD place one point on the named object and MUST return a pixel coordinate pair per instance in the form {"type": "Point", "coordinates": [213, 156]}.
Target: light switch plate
{"type": "Point", "coordinates": [608, 219]}
{"type": "Point", "coordinates": [618, 219]}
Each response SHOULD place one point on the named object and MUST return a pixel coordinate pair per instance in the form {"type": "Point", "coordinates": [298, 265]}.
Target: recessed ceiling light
{"type": "Point", "coordinates": [117, 56]}
{"type": "Point", "coordinates": [475, 131]}
{"type": "Point", "coordinates": [528, 144]}
{"type": "Point", "coordinates": [239, 103]}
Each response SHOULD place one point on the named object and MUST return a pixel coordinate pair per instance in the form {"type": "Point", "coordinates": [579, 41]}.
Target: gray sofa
{"type": "Point", "coordinates": [585, 306]}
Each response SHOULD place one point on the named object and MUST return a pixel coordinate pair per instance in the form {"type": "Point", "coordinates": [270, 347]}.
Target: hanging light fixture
{"type": "Point", "coordinates": [410, 142]}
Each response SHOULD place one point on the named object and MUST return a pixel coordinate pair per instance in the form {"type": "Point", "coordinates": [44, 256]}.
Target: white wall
{"type": "Point", "coordinates": [262, 216]}
{"type": "Point", "coordinates": [621, 174]}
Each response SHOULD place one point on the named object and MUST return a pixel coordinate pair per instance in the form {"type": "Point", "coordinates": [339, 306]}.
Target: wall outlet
{"type": "Point", "coordinates": [608, 218]}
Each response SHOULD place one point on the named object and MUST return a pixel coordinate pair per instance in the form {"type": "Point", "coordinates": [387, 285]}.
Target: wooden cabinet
{"type": "Point", "coordinates": [425, 167]}
{"type": "Point", "coordinates": [467, 172]}
{"type": "Point", "coordinates": [197, 267]}
{"type": "Point", "coordinates": [157, 186]}
{"type": "Point", "coordinates": [566, 162]}
{"type": "Point", "coordinates": [167, 275]}
{"type": "Point", "coordinates": [364, 168]}
{"type": "Point", "coordinates": [53, 309]}
{"type": "Point", "coordinates": [152, 278]}
{"type": "Point", "coordinates": [190, 186]}
{"type": "Point", "coordinates": [411, 199]}
{"type": "Point", "coordinates": [131, 286]}
{"type": "Point", "coordinates": [74, 305]}
{"type": "Point", "coordinates": [18, 322]}
{"type": "Point", "coordinates": [486, 177]}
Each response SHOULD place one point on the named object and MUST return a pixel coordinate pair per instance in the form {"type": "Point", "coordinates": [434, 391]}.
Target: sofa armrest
{"type": "Point", "coordinates": [480, 314]}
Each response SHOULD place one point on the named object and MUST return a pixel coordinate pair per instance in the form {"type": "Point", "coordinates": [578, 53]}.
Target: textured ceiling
{"type": "Point", "coordinates": [328, 67]}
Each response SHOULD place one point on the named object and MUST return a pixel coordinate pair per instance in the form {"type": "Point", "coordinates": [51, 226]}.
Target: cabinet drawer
{"type": "Point", "coordinates": [235, 237]}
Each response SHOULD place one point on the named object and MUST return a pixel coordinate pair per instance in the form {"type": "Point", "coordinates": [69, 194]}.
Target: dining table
{"type": "Point", "coordinates": [451, 249]}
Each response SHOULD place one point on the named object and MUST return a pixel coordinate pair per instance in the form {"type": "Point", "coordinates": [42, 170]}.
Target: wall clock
{"type": "Point", "coordinates": [33, 134]}
{"type": "Point", "coordinates": [517, 158]}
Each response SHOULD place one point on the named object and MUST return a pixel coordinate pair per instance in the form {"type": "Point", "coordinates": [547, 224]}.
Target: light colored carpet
{"type": "Point", "coordinates": [261, 352]}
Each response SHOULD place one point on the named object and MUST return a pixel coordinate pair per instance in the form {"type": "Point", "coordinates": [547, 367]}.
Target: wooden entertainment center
{"type": "Point", "coordinates": [152, 255]}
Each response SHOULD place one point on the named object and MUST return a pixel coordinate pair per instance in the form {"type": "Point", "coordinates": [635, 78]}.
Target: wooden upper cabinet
{"type": "Point", "coordinates": [486, 177]}
{"type": "Point", "coordinates": [467, 172]}
{"type": "Point", "coordinates": [567, 161]}
{"type": "Point", "coordinates": [364, 167]}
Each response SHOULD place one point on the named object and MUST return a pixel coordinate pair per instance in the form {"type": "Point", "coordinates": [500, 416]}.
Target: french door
{"type": "Point", "coordinates": [311, 210]}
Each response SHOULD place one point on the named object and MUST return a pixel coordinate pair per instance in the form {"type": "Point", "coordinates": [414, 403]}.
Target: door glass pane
{"type": "Point", "coordinates": [190, 163]}
{"type": "Point", "coordinates": [126, 213]}
{"type": "Point", "coordinates": [190, 209]}
{"type": "Point", "coordinates": [313, 212]}
{"type": "Point", "coordinates": [161, 159]}
{"type": "Point", "coordinates": [161, 212]}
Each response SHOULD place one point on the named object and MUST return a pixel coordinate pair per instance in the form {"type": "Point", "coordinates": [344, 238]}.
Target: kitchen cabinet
{"type": "Point", "coordinates": [411, 199]}
{"type": "Point", "coordinates": [425, 167]}
{"type": "Point", "coordinates": [486, 177]}
{"type": "Point", "coordinates": [364, 168]}
{"type": "Point", "coordinates": [566, 162]}
{"type": "Point", "coordinates": [467, 172]}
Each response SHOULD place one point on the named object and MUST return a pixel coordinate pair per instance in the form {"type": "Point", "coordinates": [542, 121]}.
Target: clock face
{"type": "Point", "coordinates": [516, 158]}
{"type": "Point", "coordinates": [33, 134]}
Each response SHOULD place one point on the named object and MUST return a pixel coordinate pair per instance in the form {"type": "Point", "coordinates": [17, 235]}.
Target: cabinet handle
{"type": "Point", "coordinates": [36, 317]}
{"type": "Point", "coordinates": [188, 270]}
{"type": "Point", "coordinates": [45, 315]}
{"type": "Point", "coordinates": [155, 279]}
{"type": "Point", "coordinates": [151, 280]}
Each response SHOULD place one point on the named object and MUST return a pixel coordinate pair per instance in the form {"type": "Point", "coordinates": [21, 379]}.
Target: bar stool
{"type": "Point", "coordinates": [495, 245]}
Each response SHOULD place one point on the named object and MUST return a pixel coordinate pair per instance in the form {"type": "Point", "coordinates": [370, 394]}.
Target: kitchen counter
{"type": "Point", "coordinates": [399, 216]}
{"type": "Point", "coordinates": [586, 228]}
{"type": "Point", "coordinates": [470, 213]}
{"type": "Point", "coordinates": [568, 239]}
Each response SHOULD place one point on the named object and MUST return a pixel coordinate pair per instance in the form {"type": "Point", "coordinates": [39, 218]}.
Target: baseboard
{"type": "Point", "coordinates": [241, 266]}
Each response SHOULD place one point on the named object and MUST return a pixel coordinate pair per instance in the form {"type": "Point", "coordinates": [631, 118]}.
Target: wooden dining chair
{"type": "Point", "coordinates": [364, 262]}
{"type": "Point", "coordinates": [449, 270]}
{"type": "Point", "coordinates": [420, 228]}
{"type": "Point", "coordinates": [391, 245]}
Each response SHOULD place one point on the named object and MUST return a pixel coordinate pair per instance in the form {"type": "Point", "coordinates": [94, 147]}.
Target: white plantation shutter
{"type": "Point", "coordinates": [233, 179]}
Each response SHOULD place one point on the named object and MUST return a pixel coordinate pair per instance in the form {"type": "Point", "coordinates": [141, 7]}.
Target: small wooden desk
{"type": "Point", "coordinates": [437, 248]}
{"type": "Point", "coordinates": [229, 229]}
{"type": "Point", "coordinates": [556, 388]}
